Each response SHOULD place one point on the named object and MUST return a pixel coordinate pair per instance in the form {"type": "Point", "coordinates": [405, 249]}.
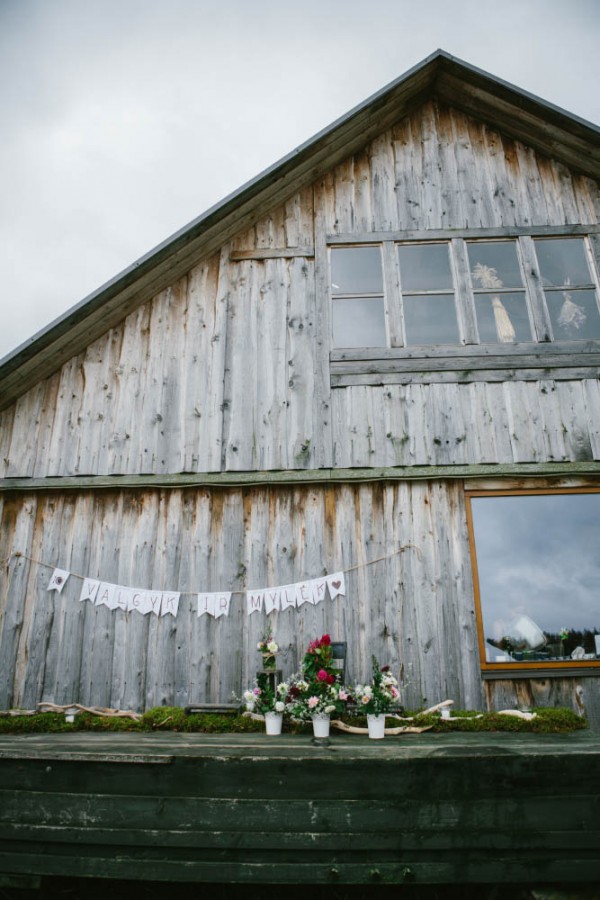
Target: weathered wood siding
{"type": "Point", "coordinates": [228, 368]}
{"type": "Point", "coordinates": [412, 609]}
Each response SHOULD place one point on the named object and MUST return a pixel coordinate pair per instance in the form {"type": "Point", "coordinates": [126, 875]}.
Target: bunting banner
{"type": "Point", "coordinates": [214, 604]}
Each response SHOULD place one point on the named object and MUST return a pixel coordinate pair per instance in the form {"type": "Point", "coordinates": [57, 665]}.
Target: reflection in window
{"type": "Point", "coordinates": [356, 270]}
{"type": "Point", "coordinates": [359, 322]}
{"type": "Point", "coordinates": [427, 294]}
{"type": "Point", "coordinates": [538, 573]}
{"type": "Point", "coordinates": [425, 267]}
{"type": "Point", "coordinates": [430, 319]}
{"type": "Point", "coordinates": [358, 313]}
{"type": "Point", "coordinates": [570, 294]}
{"type": "Point", "coordinates": [502, 315]}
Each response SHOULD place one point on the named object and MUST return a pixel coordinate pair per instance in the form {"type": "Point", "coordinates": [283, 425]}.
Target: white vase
{"type": "Point", "coordinates": [273, 722]}
{"type": "Point", "coordinates": [376, 725]}
{"type": "Point", "coordinates": [321, 725]}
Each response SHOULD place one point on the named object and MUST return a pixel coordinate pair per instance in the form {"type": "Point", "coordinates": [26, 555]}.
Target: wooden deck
{"type": "Point", "coordinates": [420, 809]}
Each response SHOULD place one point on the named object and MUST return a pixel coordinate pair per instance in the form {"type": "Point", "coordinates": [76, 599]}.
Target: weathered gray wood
{"type": "Point", "coordinates": [200, 540]}
{"type": "Point", "coordinates": [271, 253]}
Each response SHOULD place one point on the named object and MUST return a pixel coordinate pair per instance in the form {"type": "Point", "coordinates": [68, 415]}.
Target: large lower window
{"type": "Point", "coordinates": [536, 565]}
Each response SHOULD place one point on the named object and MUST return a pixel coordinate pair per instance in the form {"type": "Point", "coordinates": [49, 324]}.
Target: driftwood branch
{"type": "Point", "coordinates": [517, 713]}
{"type": "Point", "coordinates": [354, 729]}
{"type": "Point", "coordinates": [71, 708]}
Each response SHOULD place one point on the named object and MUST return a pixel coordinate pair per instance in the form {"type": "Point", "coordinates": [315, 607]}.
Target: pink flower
{"type": "Point", "coordinates": [343, 695]}
{"type": "Point", "coordinates": [321, 675]}
{"type": "Point", "coordinates": [257, 691]}
{"type": "Point", "coordinates": [312, 702]}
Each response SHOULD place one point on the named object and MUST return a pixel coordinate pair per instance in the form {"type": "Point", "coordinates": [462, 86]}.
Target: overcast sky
{"type": "Point", "coordinates": [122, 120]}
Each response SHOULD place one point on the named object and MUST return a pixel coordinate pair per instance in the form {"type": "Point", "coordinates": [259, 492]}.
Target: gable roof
{"type": "Point", "coordinates": [517, 113]}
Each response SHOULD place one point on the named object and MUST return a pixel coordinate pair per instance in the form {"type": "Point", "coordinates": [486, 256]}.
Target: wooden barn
{"type": "Point", "coordinates": [359, 396]}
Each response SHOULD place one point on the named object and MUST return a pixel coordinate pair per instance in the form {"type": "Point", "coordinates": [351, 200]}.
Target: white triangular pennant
{"type": "Point", "coordinates": [222, 602]}
{"type": "Point", "coordinates": [122, 597]}
{"type": "Point", "coordinates": [254, 601]}
{"type": "Point", "coordinates": [58, 580]}
{"type": "Point", "coordinates": [206, 604]}
{"type": "Point", "coordinates": [304, 593]}
{"type": "Point", "coordinates": [287, 595]}
{"type": "Point", "coordinates": [336, 584]}
{"type": "Point", "coordinates": [89, 589]}
{"type": "Point", "coordinates": [153, 602]}
{"type": "Point", "coordinates": [170, 603]}
{"type": "Point", "coordinates": [272, 600]}
{"type": "Point", "coordinates": [106, 595]}
{"type": "Point", "coordinates": [137, 601]}
{"type": "Point", "coordinates": [319, 589]}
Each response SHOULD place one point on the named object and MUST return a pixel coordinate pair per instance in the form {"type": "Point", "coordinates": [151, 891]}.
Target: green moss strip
{"type": "Point", "coordinates": [171, 718]}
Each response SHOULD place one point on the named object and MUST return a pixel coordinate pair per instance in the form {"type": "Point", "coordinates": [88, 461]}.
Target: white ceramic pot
{"type": "Point", "coordinates": [321, 725]}
{"type": "Point", "coordinates": [273, 722]}
{"type": "Point", "coordinates": [376, 725]}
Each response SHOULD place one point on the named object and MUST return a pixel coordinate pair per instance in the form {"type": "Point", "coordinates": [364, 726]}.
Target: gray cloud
{"type": "Point", "coordinates": [123, 121]}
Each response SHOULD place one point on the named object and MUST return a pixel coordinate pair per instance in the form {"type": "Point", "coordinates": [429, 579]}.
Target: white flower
{"type": "Point", "coordinates": [279, 706]}
{"type": "Point", "coordinates": [272, 647]}
{"type": "Point", "coordinates": [249, 697]}
{"type": "Point", "coordinates": [282, 688]}
{"type": "Point", "coordinates": [329, 709]}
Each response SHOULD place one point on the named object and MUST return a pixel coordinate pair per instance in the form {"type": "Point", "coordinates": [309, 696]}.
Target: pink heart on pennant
{"type": "Point", "coordinates": [336, 584]}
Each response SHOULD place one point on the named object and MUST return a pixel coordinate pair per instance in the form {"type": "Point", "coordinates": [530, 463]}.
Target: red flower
{"type": "Point", "coordinates": [330, 679]}
{"type": "Point", "coordinates": [323, 676]}
{"type": "Point", "coordinates": [325, 640]}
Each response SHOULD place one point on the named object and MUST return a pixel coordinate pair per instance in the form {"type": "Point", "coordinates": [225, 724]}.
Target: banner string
{"type": "Point", "coordinates": [18, 554]}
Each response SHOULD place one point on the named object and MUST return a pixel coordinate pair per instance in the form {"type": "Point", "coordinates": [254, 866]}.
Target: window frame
{"type": "Point", "coordinates": [469, 359]}
{"type": "Point", "coordinates": [518, 668]}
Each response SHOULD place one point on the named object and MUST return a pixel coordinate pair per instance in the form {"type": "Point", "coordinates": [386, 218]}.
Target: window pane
{"type": "Point", "coordinates": [494, 264]}
{"type": "Point", "coordinates": [430, 319]}
{"type": "Point", "coordinates": [539, 575]}
{"type": "Point", "coordinates": [562, 261]}
{"type": "Point", "coordinates": [356, 270]}
{"type": "Point", "coordinates": [574, 315]}
{"type": "Point", "coordinates": [425, 267]}
{"type": "Point", "coordinates": [359, 322]}
{"type": "Point", "coordinates": [502, 318]}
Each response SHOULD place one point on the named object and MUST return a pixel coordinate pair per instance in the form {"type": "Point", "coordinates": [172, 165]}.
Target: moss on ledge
{"type": "Point", "coordinates": [171, 718]}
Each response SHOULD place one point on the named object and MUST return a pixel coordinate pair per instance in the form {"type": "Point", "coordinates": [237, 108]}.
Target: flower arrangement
{"type": "Point", "coordinates": [381, 695]}
{"type": "Point", "coordinates": [269, 648]}
{"type": "Point", "coordinates": [317, 664]}
{"type": "Point", "coordinates": [317, 689]}
{"type": "Point", "coordinates": [311, 698]}
{"type": "Point", "coordinates": [263, 699]}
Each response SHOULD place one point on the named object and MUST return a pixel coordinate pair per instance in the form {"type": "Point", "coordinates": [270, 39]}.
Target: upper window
{"type": "Point", "coordinates": [448, 293]}
{"type": "Point", "coordinates": [537, 577]}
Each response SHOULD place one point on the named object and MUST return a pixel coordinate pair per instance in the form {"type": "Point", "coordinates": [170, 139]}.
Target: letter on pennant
{"type": "Point", "coordinates": [254, 601]}
{"type": "Point", "coordinates": [222, 602]}
{"type": "Point", "coordinates": [304, 593]}
{"type": "Point", "coordinates": [272, 600]}
{"type": "Point", "coordinates": [89, 589]}
{"type": "Point", "coordinates": [170, 604]}
{"type": "Point", "coordinates": [206, 604]}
